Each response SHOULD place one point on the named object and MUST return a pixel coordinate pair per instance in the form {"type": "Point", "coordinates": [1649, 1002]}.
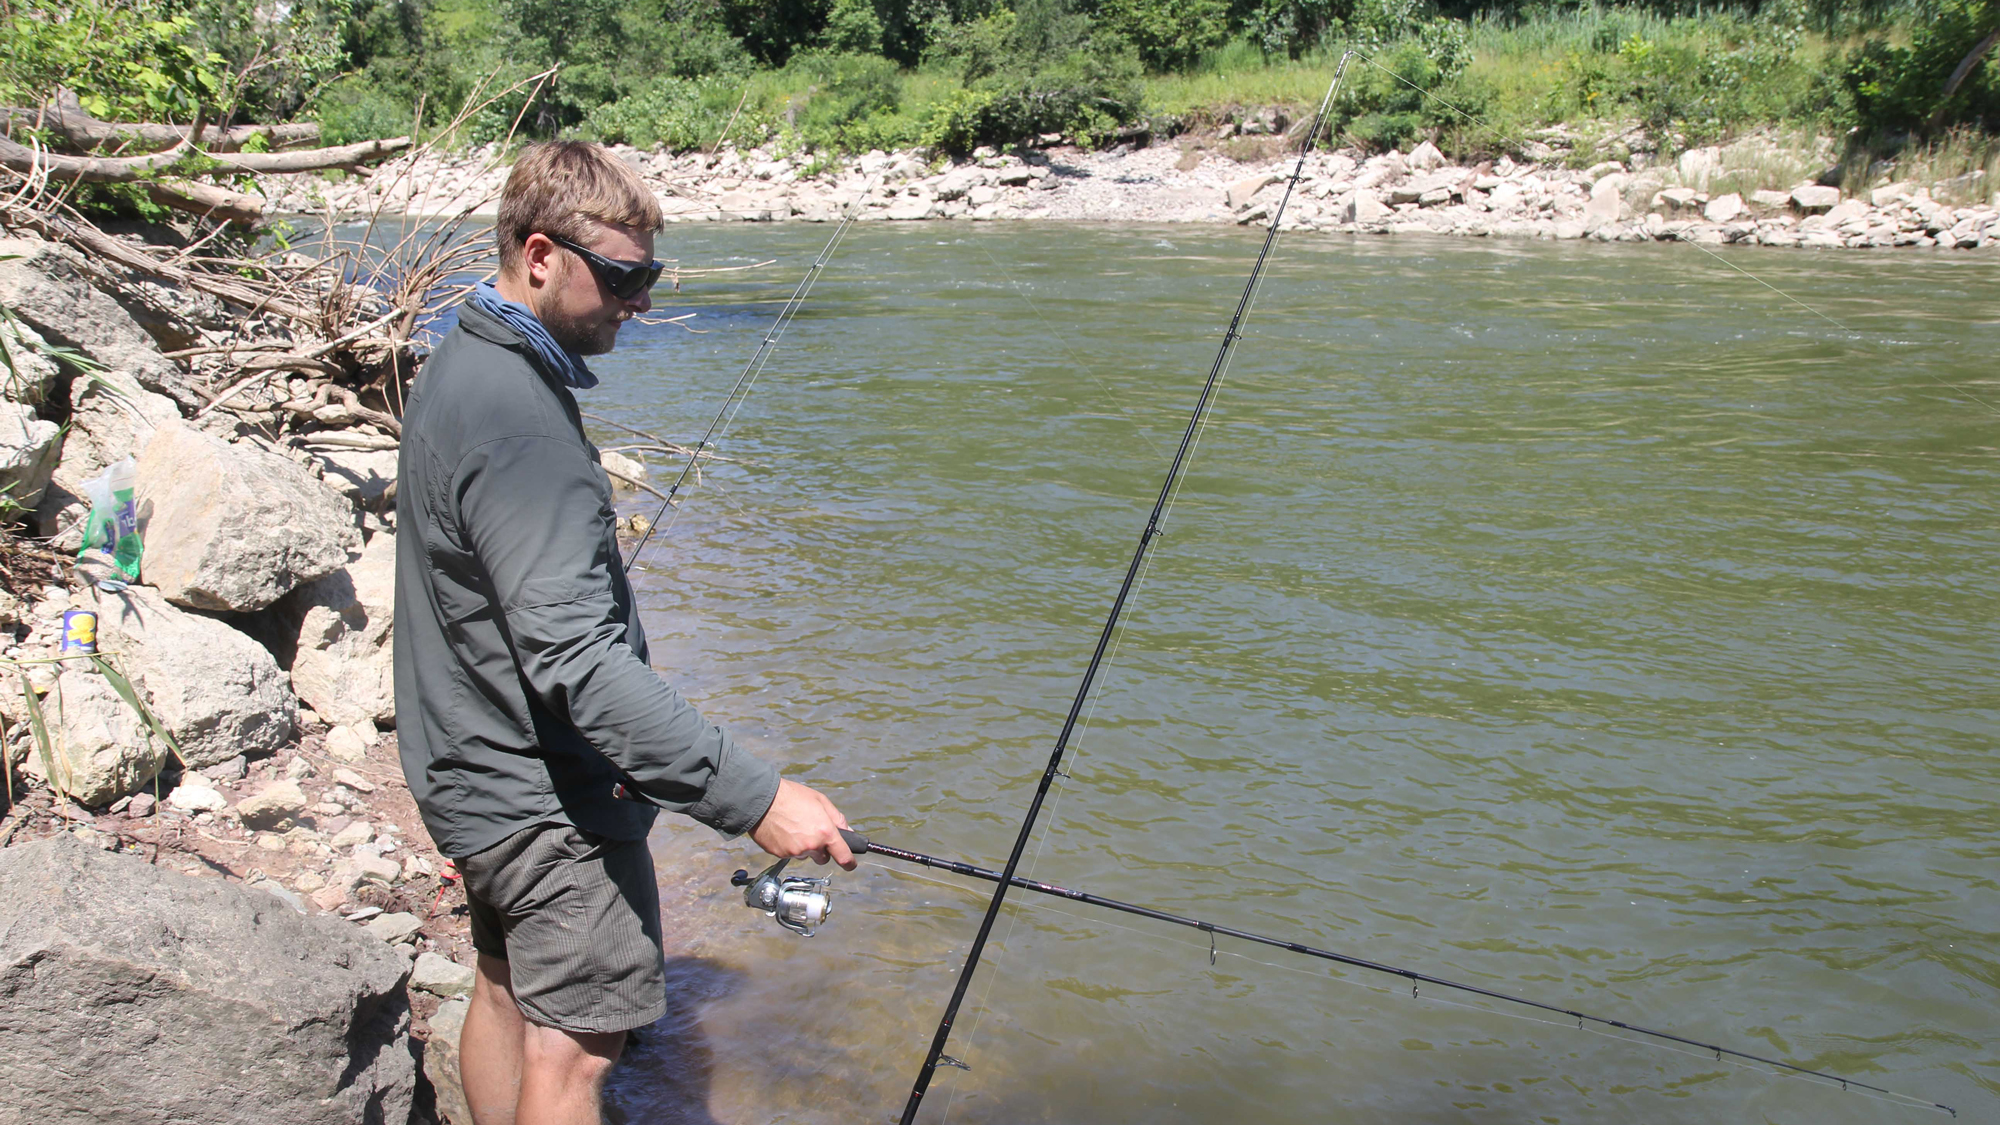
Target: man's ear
{"type": "Point", "coordinates": [538, 259]}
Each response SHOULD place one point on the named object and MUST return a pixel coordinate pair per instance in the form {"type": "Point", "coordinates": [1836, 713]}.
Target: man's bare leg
{"type": "Point", "coordinates": [489, 1049]}
{"type": "Point", "coordinates": [562, 1073]}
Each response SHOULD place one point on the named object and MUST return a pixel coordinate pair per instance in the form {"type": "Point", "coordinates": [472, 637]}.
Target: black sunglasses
{"type": "Point", "coordinates": [626, 280]}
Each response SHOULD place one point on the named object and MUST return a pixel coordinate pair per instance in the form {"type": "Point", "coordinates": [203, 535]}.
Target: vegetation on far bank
{"type": "Point", "coordinates": [831, 76]}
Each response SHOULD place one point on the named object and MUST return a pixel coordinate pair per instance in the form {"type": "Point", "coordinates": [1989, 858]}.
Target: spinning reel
{"type": "Point", "coordinates": [798, 902]}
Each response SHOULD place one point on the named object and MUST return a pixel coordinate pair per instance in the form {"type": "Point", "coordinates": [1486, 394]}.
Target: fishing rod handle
{"type": "Point", "coordinates": [855, 841]}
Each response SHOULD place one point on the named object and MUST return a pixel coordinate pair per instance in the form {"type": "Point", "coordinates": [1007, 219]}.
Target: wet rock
{"type": "Point", "coordinates": [234, 526]}
{"type": "Point", "coordinates": [141, 995]}
{"type": "Point", "coordinates": [98, 746]}
{"type": "Point", "coordinates": [440, 976]}
{"type": "Point", "coordinates": [277, 805]}
{"type": "Point", "coordinates": [219, 693]}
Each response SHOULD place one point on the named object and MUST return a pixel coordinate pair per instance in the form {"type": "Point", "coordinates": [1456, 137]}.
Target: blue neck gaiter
{"type": "Point", "coordinates": [567, 365]}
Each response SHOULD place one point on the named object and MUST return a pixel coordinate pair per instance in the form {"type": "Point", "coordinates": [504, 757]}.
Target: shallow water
{"type": "Point", "coordinates": [1581, 621]}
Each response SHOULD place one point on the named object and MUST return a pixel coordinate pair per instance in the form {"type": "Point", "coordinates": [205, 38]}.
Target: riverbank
{"type": "Point", "coordinates": [1748, 193]}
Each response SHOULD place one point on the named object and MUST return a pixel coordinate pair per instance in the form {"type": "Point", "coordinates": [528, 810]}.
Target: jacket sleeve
{"type": "Point", "coordinates": [531, 511]}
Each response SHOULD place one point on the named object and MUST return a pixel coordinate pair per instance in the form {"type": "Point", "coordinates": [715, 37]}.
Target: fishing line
{"type": "Point", "coordinates": [1110, 629]}
{"type": "Point", "coordinates": [1161, 941]}
{"type": "Point", "coordinates": [1418, 980]}
{"type": "Point", "coordinates": [746, 380]}
{"type": "Point", "coordinates": [1679, 235]}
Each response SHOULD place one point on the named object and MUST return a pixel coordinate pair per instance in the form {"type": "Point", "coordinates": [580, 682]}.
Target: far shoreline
{"type": "Point", "coordinates": [1703, 197]}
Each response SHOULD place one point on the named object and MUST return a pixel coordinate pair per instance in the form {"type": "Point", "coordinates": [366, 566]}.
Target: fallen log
{"type": "Point", "coordinates": [207, 200]}
{"type": "Point", "coordinates": [129, 169]}
{"type": "Point", "coordinates": [65, 118]}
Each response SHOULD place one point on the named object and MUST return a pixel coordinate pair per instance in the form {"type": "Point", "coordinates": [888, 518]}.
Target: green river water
{"type": "Point", "coordinates": [1581, 621]}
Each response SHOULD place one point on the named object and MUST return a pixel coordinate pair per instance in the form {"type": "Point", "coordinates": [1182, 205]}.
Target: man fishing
{"type": "Point", "coordinates": [523, 689]}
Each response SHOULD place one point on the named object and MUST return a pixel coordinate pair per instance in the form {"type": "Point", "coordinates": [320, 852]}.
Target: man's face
{"type": "Point", "coordinates": [578, 309]}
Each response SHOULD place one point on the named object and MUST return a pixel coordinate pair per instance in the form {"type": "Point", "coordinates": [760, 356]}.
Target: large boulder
{"type": "Point", "coordinates": [134, 994]}
{"type": "Point", "coordinates": [51, 288]}
{"type": "Point", "coordinates": [111, 417]}
{"type": "Point", "coordinates": [231, 526]}
{"type": "Point", "coordinates": [31, 372]}
{"type": "Point", "coordinates": [98, 742]}
{"type": "Point", "coordinates": [342, 667]}
{"type": "Point", "coordinates": [218, 692]}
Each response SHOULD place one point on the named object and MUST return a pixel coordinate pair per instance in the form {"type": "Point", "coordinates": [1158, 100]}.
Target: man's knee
{"type": "Point", "coordinates": [571, 1057]}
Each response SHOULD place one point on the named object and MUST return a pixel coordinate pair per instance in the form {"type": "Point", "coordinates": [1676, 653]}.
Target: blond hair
{"type": "Point", "coordinates": [561, 188]}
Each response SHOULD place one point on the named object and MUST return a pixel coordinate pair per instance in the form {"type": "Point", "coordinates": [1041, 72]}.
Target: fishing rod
{"type": "Point", "coordinates": [1110, 629]}
{"type": "Point", "coordinates": [746, 379]}
{"type": "Point", "coordinates": [801, 903]}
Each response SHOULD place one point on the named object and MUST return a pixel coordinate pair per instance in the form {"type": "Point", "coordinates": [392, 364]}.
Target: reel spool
{"type": "Point", "coordinates": [799, 903]}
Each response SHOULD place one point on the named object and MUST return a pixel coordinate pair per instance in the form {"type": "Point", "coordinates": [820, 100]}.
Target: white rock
{"type": "Point", "coordinates": [1815, 199]}
{"type": "Point", "coordinates": [276, 805]}
{"type": "Point", "coordinates": [218, 692]}
{"type": "Point", "coordinates": [233, 526]}
{"type": "Point", "coordinates": [622, 471]}
{"type": "Point", "coordinates": [361, 475]}
{"type": "Point", "coordinates": [1723, 208]}
{"type": "Point", "coordinates": [345, 745]}
{"type": "Point", "coordinates": [355, 834]}
{"type": "Point", "coordinates": [394, 928]}
{"type": "Point", "coordinates": [440, 976]}
{"type": "Point", "coordinates": [1847, 211]}
{"type": "Point", "coordinates": [1425, 158]}
{"type": "Point", "coordinates": [98, 743]}
{"type": "Point", "coordinates": [1240, 193]}
{"type": "Point", "coordinates": [1891, 193]}
{"type": "Point", "coordinates": [342, 665]}
{"type": "Point", "coordinates": [1607, 201]}
{"type": "Point", "coordinates": [191, 797]}
{"type": "Point", "coordinates": [1364, 207]}
{"type": "Point", "coordinates": [30, 447]}
{"type": "Point", "coordinates": [1767, 200]}
{"type": "Point", "coordinates": [353, 780]}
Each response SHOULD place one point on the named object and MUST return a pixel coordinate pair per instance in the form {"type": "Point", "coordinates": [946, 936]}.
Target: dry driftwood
{"type": "Point", "coordinates": [128, 169]}
{"type": "Point", "coordinates": [207, 200]}
{"type": "Point", "coordinates": [62, 116]}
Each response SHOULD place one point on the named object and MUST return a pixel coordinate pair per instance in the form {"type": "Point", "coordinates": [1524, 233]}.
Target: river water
{"type": "Point", "coordinates": [1585, 622]}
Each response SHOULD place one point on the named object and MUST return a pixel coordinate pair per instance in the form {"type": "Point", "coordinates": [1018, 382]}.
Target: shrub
{"type": "Point", "coordinates": [677, 113]}
{"type": "Point", "coordinates": [1168, 34]}
{"type": "Point", "coordinates": [1894, 89]}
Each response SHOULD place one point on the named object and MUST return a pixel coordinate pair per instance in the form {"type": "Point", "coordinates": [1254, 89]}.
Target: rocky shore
{"type": "Point", "coordinates": [1701, 196]}
{"type": "Point", "coordinates": [226, 756]}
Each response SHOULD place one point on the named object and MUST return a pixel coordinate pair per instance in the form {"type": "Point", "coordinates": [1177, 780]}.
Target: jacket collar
{"type": "Point", "coordinates": [493, 330]}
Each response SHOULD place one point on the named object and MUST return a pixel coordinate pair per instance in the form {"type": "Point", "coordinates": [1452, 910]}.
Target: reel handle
{"type": "Point", "coordinates": [855, 841]}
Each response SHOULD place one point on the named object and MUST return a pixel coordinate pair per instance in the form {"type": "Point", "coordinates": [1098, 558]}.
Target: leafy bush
{"type": "Point", "coordinates": [677, 113]}
{"type": "Point", "coordinates": [1896, 89]}
{"type": "Point", "coordinates": [855, 103]}
{"type": "Point", "coordinates": [1391, 110]}
{"type": "Point", "coordinates": [122, 63]}
{"type": "Point", "coordinates": [1168, 34]}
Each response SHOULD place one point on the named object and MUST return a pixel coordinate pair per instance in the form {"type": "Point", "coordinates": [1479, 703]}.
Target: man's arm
{"type": "Point", "coordinates": [529, 508]}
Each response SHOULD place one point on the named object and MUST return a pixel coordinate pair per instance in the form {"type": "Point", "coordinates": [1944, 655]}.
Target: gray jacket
{"type": "Point", "coordinates": [522, 683]}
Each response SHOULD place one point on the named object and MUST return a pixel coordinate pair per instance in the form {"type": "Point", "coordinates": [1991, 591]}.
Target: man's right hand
{"type": "Point", "coordinates": [801, 822]}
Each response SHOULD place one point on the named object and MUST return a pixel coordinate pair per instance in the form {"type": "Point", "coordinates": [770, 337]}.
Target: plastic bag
{"type": "Point", "coordinates": [114, 517]}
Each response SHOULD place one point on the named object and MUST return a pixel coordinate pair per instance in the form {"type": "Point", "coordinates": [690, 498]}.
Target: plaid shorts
{"type": "Point", "coordinates": [577, 919]}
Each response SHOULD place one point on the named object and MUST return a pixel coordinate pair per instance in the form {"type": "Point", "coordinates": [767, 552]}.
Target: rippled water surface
{"type": "Point", "coordinates": [1585, 622]}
